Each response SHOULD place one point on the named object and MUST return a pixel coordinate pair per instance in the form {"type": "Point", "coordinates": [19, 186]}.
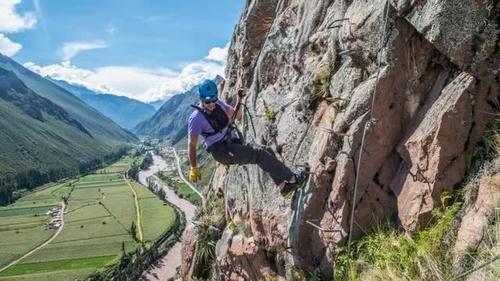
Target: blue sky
{"type": "Point", "coordinates": [90, 42]}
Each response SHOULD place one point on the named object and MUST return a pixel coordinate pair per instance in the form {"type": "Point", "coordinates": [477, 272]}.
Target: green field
{"type": "Point", "coordinates": [100, 210]}
{"type": "Point", "coordinates": [156, 215]}
{"type": "Point", "coordinates": [22, 224]}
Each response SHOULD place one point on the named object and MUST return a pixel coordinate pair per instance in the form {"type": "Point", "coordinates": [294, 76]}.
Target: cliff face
{"type": "Point", "coordinates": [312, 69]}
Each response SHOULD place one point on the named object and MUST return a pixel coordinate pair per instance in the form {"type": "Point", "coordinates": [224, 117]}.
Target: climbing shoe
{"type": "Point", "coordinates": [288, 190]}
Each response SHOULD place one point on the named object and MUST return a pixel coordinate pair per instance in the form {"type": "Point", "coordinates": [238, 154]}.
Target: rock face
{"type": "Point", "coordinates": [423, 81]}
{"type": "Point", "coordinates": [478, 213]}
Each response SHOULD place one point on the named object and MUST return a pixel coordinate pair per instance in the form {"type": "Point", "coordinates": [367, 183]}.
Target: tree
{"type": "Point", "coordinates": [147, 162]}
{"type": "Point", "coordinates": [133, 231]}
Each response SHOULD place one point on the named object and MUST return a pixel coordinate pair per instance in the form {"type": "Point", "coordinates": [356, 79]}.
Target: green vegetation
{"type": "Point", "coordinates": [132, 265]}
{"type": "Point", "coordinates": [147, 161]}
{"type": "Point", "coordinates": [321, 84]}
{"type": "Point", "coordinates": [392, 255]}
{"type": "Point", "coordinates": [269, 112]}
{"type": "Point", "coordinates": [181, 189]}
{"type": "Point", "coordinates": [157, 216]}
{"type": "Point", "coordinates": [48, 134]}
{"type": "Point", "coordinates": [492, 138]}
{"type": "Point", "coordinates": [98, 216]}
{"type": "Point", "coordinates": [67, 265]}
{"type": "Point", "coordinates": [101, 127]}
{"type": "Point", "coordinates": [62, 275]}
{"type": "Point", "coordinates": [212, 216]}
{"type": "Point", "coordinates": [386, 253]}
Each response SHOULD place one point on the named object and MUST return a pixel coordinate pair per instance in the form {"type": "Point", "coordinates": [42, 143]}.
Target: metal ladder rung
{"type": "Point", "coordinates": [350, 51]}
{"type": "Point", "coordinates": [335, 21]}
{"type": "Point", "coordinates": [320, 228]}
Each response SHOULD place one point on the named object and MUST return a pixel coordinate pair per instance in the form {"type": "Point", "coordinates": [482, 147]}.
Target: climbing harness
{"type": "Point", "coordinates": [217, 119]}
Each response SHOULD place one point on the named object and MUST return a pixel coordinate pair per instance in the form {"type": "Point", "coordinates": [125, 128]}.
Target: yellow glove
{"type": "Point", "coordinates": [194, 174]}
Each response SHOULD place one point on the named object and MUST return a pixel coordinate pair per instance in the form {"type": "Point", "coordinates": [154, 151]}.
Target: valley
{"type": "Point", "coordinates": [97, 225]}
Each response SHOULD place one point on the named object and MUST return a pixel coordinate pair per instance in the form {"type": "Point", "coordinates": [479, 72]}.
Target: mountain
{"type": "Point", "coordinates": [124, 111]}
{"type": "Point", "coordinates": [170, 121]}
{"type": "Point", "coordinates": [40, 141]}
{"type": "Point", "coordinates": [95, 122]}
{"type": "Point", "coordinates": [157, 104]}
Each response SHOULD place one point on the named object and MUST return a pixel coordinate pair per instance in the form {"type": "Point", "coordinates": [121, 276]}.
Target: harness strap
{"type": "Point", "coordinates": [209, 119]}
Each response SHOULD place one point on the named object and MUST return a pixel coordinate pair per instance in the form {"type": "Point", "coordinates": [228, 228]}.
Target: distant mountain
{"type": "Point", "coordinates": [124, 111]}
{"type": "Point", "coordinates": [96, 123]}
{"type": "Point", "coordinates": [170, 121]}
{"type": "Point", "coordinates": [41, 141]}
{"type": "Point", "coordinates": [157, 104]}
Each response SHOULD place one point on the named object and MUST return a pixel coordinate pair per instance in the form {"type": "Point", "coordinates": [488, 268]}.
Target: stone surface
{"type": "Point", "coordinates": [315, 65]}
{"type": "Point", "coordinates": [477, 214]}
{"type": "Point", "coordinates": [189, 263]}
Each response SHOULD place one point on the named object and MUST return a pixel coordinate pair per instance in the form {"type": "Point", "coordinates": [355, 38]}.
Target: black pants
{"type": "Point", "coordinates": [227, 153]}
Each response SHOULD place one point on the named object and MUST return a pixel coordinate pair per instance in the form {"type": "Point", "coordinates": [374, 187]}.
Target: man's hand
{"type": "Point", "coordinates": [194, 174]}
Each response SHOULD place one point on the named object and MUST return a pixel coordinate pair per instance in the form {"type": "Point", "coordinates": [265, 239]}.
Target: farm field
{"type": "Point", "coordinates": [99, 213]}
{"type": "Point", "coordinates": [156, 215]}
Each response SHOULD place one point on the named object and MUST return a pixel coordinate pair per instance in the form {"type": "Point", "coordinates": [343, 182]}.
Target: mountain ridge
{"type": "Point", "coordinates": [98, 124]}
{"type": "Point", "coordinates": [124, 111]}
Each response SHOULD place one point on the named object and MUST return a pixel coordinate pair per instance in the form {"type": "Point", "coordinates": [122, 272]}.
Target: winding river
{"type": "Point", "coordinates": [166, 268]}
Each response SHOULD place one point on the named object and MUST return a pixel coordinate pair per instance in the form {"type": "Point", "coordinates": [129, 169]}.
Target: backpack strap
{"type": "Point", "coordinates": [208, 118]}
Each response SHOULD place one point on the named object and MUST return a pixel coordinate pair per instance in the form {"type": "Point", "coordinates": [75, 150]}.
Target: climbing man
{"type": "Point", "coordinates": [212, 120]}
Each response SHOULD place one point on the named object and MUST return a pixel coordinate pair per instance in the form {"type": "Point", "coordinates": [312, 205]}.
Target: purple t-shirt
{"type": "Point", "coordinates": [198, 124]}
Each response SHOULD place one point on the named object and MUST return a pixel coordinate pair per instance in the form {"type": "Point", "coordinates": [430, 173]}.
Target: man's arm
{"type": "Point", "coordinates": [192, 142]}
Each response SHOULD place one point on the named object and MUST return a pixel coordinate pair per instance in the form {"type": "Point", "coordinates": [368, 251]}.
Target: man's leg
{"type": "Point", "coordinates": [233, 153]}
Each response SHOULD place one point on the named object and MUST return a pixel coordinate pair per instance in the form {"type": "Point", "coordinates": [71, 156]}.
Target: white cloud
{"type": "Point", "coordinates": [11, 20]}
{"type": "Point", "coordinates": [8, 47]}
{"type": "Point", "coordinates": [134, 82]}
{"type": "Point", "coordinates": [218, 54]}
{"type": "Point", "coordinates": [71, 74]}
{"type": "Point", "coordinates": [71, 49]}
{"type": "Point", "coordinates": [190, 76]}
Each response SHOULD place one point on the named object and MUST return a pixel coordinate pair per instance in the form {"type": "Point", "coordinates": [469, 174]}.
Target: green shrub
{"type": "Point", "coordinates": [395, 255]}
{"type": "Point", "coordinates": [321, 85]}
{"type": "Point", "coordinates": [269, 112]}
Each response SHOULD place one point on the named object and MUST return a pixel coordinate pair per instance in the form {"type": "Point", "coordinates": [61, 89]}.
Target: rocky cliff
{"type": "Point", "coordinates": [415, 82]}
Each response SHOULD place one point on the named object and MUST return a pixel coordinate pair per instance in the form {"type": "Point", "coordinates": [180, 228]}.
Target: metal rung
{"type": "Point", "coordinates": [333, 132]}
{"type": "Point", "coordinates": [346, 52]}
{"type": "Point", "coordinates": [335, 21]}
{"type": "Point", "coordinates": [320, 228]}
{"type": "Point", "coordinates": [332, 99]}
{"type": "Point", "coordinates": [327, 130]}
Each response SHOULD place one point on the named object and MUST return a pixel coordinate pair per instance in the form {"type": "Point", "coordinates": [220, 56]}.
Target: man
{"type": "Point", "coordinates": [212, 120]}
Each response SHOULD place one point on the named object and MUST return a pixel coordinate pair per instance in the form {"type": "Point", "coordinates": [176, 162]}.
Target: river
{"type": "Point", "coordinates": [166, 268]}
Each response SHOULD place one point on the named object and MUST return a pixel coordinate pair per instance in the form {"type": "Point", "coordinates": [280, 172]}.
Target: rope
{"type": "Point", "coordinates": [477, 268]}
{"type": "Point", "coordinates": [278, 7]}
{"type": "Point", "coordinates": [251, 119]}
{"type": "Point", "coordinates": [367, 125]}
{"type": "Point", "coordinates": [302, 138]}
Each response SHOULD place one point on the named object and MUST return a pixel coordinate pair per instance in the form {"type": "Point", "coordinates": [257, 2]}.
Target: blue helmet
{"type": "Point", "coordinates": [208, 91]}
